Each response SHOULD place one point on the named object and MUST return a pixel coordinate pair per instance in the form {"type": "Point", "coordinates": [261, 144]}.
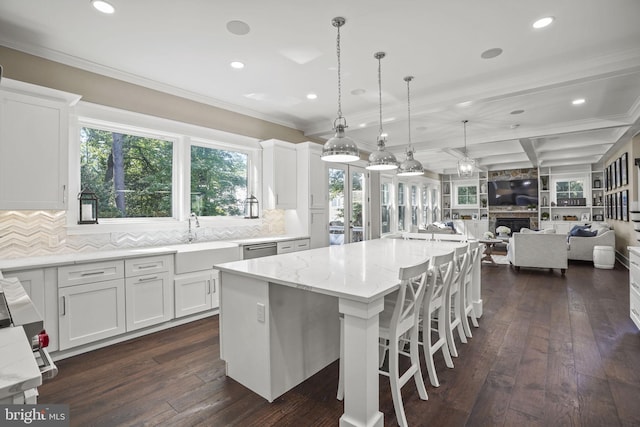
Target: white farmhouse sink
{"type": "Point", "coordinates": [202, 256]}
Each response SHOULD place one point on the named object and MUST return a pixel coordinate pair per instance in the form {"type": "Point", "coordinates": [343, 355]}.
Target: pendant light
{"type": "Point", "coordinates": [410, 166]}
{"type": "Point", "coordinates": [466, 165]}
{"type": "Point", "coordinates": [340, 148]}
{"type": "Point", "coordinates": [380, 159]}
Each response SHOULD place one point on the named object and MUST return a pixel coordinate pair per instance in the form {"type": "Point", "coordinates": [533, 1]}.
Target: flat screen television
{"type": "Point", "coordinates": [515, 192]}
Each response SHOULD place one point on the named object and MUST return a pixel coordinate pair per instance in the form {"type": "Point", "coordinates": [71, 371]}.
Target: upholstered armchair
{"type": "Point", "coordinates": [581, 248]}
{"type": "Point", "coordinates": [538, 250]}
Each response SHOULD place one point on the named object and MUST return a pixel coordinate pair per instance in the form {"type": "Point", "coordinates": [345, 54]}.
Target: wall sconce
{"type": "Point", "coordinates": [251, 207]}
{"type": "Point", "coordinates": [88, 207]}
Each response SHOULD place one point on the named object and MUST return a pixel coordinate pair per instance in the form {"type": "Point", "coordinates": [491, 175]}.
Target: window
{"type": "Point", "coordinates": [385, 206]}
{"type": "Point", "coordinates": [218, 181]}
{"type": "Point", "coordinates": [466, 195]}
{"type": "Point", "coordinates": [148, 170]}
{"type": "Point", "coordinates": [414, 205]}
{"type": "Point", "coordinates": [131, 174]}
{"type": "Point", "coordinates": [401, 207]}
{"type": "Point", "coordinates": [571, 188]}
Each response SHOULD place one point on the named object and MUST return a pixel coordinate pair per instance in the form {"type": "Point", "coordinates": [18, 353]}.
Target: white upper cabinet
{"type": "Point", "coordinates": [279, 175]}
{"type": "Point", "coordinates": [34, 139]}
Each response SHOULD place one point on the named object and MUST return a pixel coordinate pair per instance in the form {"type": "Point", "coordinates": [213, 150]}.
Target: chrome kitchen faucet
{"type": "Point", "coordinates": [192, 236]}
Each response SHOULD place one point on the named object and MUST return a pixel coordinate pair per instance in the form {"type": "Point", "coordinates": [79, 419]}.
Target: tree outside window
{"type": "Point", "coordinates": [218, 181]}
{"type": "Point", "coordinates": [130, 174]}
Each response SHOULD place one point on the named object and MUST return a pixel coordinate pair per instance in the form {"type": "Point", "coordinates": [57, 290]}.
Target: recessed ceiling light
{"type": "Point", "coordinates": [362, 125]}
{"type": "Point", "coordinates": [238, 28]}
{"type": "Point", "coordinates": [358, 91]}
{"type": "Point", "coordinates": [514, 112]}
{"type": "Point", "coordinates": [312, 96]}
{"type": "Point", "coordinates": [464, 104]}
{"type": "Point", "coordinates": [103, 6]}
{"type": "Point", "coordinates": [237, 65]}
{"type": "Point", "coordinates": [578, 101]}
{"type": "Point", "coordinates": [543, 22]}
{"type": "Point", "coordinates": [491, 53]}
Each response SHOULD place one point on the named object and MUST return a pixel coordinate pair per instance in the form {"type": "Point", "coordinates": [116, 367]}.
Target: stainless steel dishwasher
{"type": "Point", "coordinates": [259, 250]}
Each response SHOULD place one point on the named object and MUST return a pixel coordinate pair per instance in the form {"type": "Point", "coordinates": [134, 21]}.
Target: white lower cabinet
{"type": "Point", "coordinates": [196, 292]}
{"type": "Point", "coordinates": [99, 300]}
{"type": "Point", "coordinates": [149, 300]}
{"type": "Point", "coordinates": [91, 312]}
{"type": "Point", "coordinates": [149, 291]}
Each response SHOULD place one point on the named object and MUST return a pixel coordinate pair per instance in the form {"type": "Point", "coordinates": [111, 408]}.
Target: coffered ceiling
{"type": "Point", "coordinates": [519, 103]}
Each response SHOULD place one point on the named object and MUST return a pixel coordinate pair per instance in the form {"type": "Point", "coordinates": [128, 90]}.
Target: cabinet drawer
{"type": "Point", "coordinates": [148, 265]}
{"type": "Point", "coordinates": [79, 274]}
{"type": "Point", "coordinates": [301, 245]}
{"type": "Point", "coordinates": [286, 247]}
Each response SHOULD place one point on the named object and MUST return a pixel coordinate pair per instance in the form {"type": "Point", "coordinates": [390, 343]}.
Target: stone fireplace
{"type": "Point", "coordinates": [515, 224]}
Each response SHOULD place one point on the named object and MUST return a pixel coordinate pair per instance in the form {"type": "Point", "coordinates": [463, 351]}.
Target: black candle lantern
{"type": "Point", "coordinates": [88, 207]}
{"type": "Point", "coordinates": [251, 207]}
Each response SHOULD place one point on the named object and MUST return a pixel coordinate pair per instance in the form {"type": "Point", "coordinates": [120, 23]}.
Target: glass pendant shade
{"type": "Point", "coordinates": [410, 167]}
{"type": "Point", "coordinates": [466, 165]}
{"type": "Point", "coordinates": [340, 148]}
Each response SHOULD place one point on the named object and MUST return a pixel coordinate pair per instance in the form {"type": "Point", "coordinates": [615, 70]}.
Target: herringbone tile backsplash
{"type": "Point", "coordinates": [36, 233]}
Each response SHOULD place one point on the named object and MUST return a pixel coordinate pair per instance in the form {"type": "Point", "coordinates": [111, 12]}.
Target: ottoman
{"type": "Point", "coordinates": [604, 257]}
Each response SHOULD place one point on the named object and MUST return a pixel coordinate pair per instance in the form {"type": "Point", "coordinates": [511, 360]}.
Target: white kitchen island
{"type": "Point", "coordinates": [279, 316]}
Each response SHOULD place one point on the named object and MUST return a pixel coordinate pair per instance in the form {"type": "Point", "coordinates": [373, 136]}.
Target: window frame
{"type": "Point", "coordinates": [456, 188]}
{"type": "Point", "coordinates": [183, 136]}
{"type": "Point", "coordinates": [586, 184]}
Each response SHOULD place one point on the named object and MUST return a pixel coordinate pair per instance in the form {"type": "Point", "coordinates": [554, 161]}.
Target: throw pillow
{"type": "Point", "coordinates": [575, 229]}
{"type": "Point", "coordinates": [585, 233]}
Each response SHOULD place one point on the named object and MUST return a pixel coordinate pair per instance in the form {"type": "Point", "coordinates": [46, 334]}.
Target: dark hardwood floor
{"type": "Point", "coordinates": [550, 351]}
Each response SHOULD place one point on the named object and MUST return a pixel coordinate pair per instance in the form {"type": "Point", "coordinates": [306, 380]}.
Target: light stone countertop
{"type": "Point", "coordinates": [18, 368]}
{"type": "Point", "coordinates": [44, 261]}
{"type": "Point", "coordinates": [76, 258]}
{"type": "Point", "coordinates": [362, 271]}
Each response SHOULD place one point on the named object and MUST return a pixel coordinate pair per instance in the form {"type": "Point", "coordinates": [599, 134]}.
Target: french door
{"type": "Point", "coordinates": [348, 208]}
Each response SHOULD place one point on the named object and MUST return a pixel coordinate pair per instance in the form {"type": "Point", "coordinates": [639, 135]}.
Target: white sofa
{"type": "Point", "coordinates": [581, 248]}
{"type": "Point", "coordinates": [539, 250]}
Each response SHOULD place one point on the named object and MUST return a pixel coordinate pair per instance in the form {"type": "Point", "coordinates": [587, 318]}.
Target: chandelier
{"type": "Point", "coordinates": [466, 165]}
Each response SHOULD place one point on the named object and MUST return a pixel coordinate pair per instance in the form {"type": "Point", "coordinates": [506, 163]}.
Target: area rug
{"type": "Point", "coordinates": [500, 259]}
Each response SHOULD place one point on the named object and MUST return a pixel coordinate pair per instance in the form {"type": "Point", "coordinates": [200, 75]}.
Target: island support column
{"type": "Point", "coordinates": [361, 400]}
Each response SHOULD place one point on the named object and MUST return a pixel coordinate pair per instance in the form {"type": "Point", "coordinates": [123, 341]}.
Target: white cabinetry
{"type": "Point", "coordinates": [477, 198]}
{"type": "Point", "coordinates": [313, 200]}
{"type": "Point", "coordinates": [149, 291]}
{"type": "Point", "coordinates": [634, 285]}
{"type": "Point", "coordinates": [293, 246]}
{"type": "Point", "coordinates": [279, 175]}
{"type": "Point", "coordinates": [196, 292]}
{"type": "Point", "coordinates": [91, 302]}
{"type": "Point", "coordinates": [552, 209]}
{"type": "Point", "coordinates": [34, 138]}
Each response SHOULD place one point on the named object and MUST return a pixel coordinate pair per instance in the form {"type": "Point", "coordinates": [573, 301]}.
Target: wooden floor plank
{"type": "Point", "coordinates": [550, 350]}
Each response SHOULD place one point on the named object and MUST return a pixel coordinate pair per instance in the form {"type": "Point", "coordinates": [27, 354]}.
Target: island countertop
{"type": "Point", "coordinates": [362, 271]}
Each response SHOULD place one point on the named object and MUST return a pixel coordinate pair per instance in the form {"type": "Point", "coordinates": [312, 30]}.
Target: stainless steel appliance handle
{"type": "Point", "coordinates": [260, 246]}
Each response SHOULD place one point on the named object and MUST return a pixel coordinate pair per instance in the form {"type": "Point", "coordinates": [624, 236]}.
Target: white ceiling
{"type": "Point", "coordinates": [591, 51]}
